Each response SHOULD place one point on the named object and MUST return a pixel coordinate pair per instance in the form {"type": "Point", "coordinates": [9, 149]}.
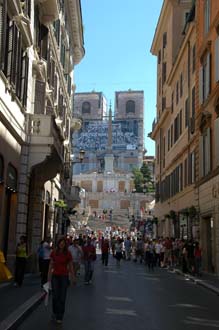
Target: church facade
{"type": "Point", "coordinates": [113, 145]}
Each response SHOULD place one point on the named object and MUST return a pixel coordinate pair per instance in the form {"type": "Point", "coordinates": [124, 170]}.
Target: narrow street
{"type": "Point", "coordinates": [130, 297]}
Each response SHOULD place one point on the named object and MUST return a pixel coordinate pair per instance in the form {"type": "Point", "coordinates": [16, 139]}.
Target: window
{"type": "Point", "coordinates": [216, 59]}
{"type": "Point", "coordinates": [176, 128]}
{"type": "Point", "coordinates": [185, 172]}
{"type": "Point", "coordinates": [180, 177]}
{"type": "Point", "coordinates": [207, 16]}
{"type": "Point", "coordinates": [15, 62]}
{"type": "Point", "coordinates": [193, 102]}
{"type": "Point", "coordinates": [180, 122]}
{"type": "Point", "coordinates": [172, 102]}
{"type": "Point", "coordinates": [181, 85]}
{"type": "Point", "coordinates": [3, 22]}
{"type": "Point", "coordinates": [177, 92]}
{"type": "Point", "coordinates": [191, 168]}
{"type": "Point", "coordinates": [171, 136]}
{"type": "Point", "coordinates": [204, 79]}
{"type": "Point", "coordinates": [11, 180]}
{"type": "Point", "coordinates": [186, 113]}
{"type": "Point", "coordinates": [164, 75]}
{"type": "Point", "coordinates": [163, 103]}
{"type": "Point", "coordinates": [193, 58]}
{"type": "Point", "coordinates": [159, 57]}
{"type": "Point", "coordinates": [164, 40]}
{"type": "Point", "coordinates": [168, 143]}
{"type": "Point", "coordinates": [158, 154]}
{"type": "Point", "coordinates": [86, 107]}
{"type": "Point", "coordinates": [130, 106]}
{"type": "Point", "coordinates": [216, 141]}
{"type": "Point", "coordinates": [164, 150]}
{"type": "Point", "coordinates": [205, 152]}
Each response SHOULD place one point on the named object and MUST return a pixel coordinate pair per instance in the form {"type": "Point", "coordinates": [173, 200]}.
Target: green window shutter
{"type": "Point", "coordinates": [216, 141]}
{"type": "Point", "coordinates": [201, 86]}
{"type": "Point", "coordinates": [201, 172]}
{"type": "Point", "coordinates": [216, 56]}
{"type": "Point", "coordinates": [208, 75]}
{"type": "Point", "coordinates": [208, 151]}
{"type": "Point", "coordinates": [3, 30]}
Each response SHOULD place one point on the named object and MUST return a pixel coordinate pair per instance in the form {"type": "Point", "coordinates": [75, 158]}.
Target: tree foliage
{"type": "Point", "coordinates": [142, 178]}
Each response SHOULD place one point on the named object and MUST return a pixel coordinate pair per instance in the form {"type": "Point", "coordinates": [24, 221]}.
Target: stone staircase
{"type": "Point", "coordinates": [119, 219]}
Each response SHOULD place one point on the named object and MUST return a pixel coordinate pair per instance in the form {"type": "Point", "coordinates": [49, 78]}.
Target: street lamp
{"type": "Point", "coordinates": [80, 157]}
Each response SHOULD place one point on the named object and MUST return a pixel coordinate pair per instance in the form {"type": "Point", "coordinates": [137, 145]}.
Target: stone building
{"type": "Point", "coordinates": [173, 130]}
{"type": "Point", "coordinates": [207, 122]}
{"type": "Point", "coordinates": [186, 130]}
{"type": "Point", "coordinates": [114, 145]}
{"type": "Point", "coordinates": [40, 43]}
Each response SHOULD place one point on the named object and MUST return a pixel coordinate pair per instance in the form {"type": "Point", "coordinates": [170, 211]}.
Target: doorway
{"type": "Point", "coordinates": [209, 239]}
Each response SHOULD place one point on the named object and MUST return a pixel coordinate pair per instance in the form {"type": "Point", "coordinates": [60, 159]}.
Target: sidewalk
{"type": "Point", "coordinates": [207, 280]}
{"type": "Point", "coordinates": [16, 303]}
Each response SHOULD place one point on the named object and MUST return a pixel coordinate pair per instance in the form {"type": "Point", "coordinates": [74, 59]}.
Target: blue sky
{"type": "Point", "coordinates": [117, 38]}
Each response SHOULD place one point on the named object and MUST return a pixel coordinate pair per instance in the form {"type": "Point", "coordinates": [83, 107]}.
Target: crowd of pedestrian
{"type": "Point", "coordinates": [60, 264]}
{"type": "Point", "coordinates": [159, 252]}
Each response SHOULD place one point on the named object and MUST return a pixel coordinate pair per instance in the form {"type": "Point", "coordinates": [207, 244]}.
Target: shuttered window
{"type": "Point", "coordinates": [181, 85]}
{"type": "Point", "coordinates": [205, 152]}
{"type": "Point", "coordinates": [185, 172]}
{"type": "Point", "coordinates": [207, 7]}
{"type": "Point", "coordinates": [201, 166]}
{"type": "Point", "coordinates": [40, 97]}
{"type": "Point", "coordinates": [216, 141]}
{"type": "Point", "coordinates": [3, 27]}
{"type": "Point", "coordinates": [204, 79]}
{"type": "Point", "coordinates": [16, 61]}
{"type": "Point", "coordinates": [216, 57]}
{"type": "Point", "coordinates": [193, 58]}
{"type": "Point", "coordinates": [186, 113]}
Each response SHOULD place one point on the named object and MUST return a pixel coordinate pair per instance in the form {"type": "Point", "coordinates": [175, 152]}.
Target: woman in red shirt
{"type": "Point", "coordinates": [60, 266]}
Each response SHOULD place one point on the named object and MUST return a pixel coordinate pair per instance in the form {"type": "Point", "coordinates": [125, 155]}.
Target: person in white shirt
{"type": "Point", "coordinates": [77, 255]}
{"type": "Point", "coordinates": [46, 247]}
{"type": "Point", "coordinates": [158, 247]}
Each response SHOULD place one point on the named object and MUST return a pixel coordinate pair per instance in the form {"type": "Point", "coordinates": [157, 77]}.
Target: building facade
{"type": "Point", "coordinates": [40, 43]}
{"type": "Point", "coordinates": [186, 131]}
{"type": "Point", "coordinates": [173, 130]}
{"type": "Point", "coordinates": [127, 130]}
{"type": "Point", "coordinates": [207, 120]}
{"type": "Point", "coordinates": [114, 145]}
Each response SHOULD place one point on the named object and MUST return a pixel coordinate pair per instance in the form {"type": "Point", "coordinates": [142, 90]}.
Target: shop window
{"type": "Point", "coordinates": [11, 181]}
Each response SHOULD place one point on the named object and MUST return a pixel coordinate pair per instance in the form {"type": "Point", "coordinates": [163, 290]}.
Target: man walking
{"type": "Point", "coordinates": [89, 252]}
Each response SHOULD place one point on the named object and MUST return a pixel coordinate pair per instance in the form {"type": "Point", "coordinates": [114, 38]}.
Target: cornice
{"type": "Point", "coordinates": [159, 27]}
{"type": "Point", "coordinates": [76, 28]}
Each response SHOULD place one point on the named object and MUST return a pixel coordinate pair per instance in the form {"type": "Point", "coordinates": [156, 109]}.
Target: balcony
{"type": "Point", "coordinates": [44, 138]}
{"type": "Point", "coordinates": [74, 198]}
{"type": "Point", "coordinates": [49, 11]}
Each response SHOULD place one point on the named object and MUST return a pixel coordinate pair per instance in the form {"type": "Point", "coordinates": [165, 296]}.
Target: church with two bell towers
{"type": "Point", "coordinates": [113, 142]}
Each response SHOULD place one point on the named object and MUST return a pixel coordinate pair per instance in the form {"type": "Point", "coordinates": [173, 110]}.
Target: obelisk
{"type": "Point", "coordinates": [109, 158]}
